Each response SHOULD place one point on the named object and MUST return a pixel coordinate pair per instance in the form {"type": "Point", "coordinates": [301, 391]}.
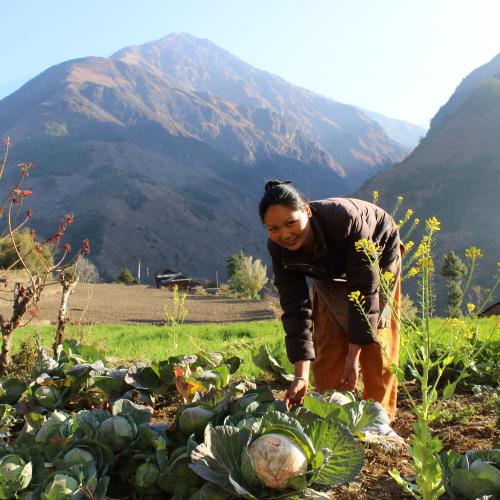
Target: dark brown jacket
{"type": "Point", "coordinates": [337, 224]}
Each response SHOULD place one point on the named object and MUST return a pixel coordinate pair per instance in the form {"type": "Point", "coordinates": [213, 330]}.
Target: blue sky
{"type": "Point", "coordinates": [401, 58]}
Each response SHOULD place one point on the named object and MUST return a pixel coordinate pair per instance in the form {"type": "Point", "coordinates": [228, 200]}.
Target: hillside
{"type": "Point", "coordinates": [454, 173]}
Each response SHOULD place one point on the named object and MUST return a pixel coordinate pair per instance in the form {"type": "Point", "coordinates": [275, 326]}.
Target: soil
{"type": "Point", "coordinates": [117, 303]}
{"type": "Point", "coordinates": [467, 422]}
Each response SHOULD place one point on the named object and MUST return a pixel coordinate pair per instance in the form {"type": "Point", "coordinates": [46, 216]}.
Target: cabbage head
{"type": "Point", "coordinates": [118, 432]}
{"type": "Point", "coordinates": [50, 427]}
{"type": "Point", "coordinates": [276, 459]}
{"type": "Point", "coordinates": [146, 475]}
{"type": "Point", "coordinates": [194, 419]}
{"type": "Point", "coordinates": [15, 475]}
{"type": "Point", "coordinates": [48, 397]}
{"type": "Point", "coordinates": [62, 486]}
{"type": "Point", "coordinates": [78, 456]}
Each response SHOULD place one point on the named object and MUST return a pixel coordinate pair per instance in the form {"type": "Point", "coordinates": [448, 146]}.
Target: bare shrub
{"type": "Point", "coordinates": [87, 271]}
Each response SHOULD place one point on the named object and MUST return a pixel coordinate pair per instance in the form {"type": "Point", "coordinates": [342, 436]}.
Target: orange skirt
{"type": "Point", "coordinates": [330, 344]}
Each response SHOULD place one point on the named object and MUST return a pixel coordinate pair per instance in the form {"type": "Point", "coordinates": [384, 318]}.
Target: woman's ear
{"type": "Point", "coordinates": [308, 211]}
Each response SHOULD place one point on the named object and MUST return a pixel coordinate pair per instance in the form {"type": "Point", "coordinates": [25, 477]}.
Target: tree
{"type": "Point", "coordinates": [232, 265]}
{"type": "Point", "coordinates": [34, 255]}
{"type": "Point", "coordinates": [21, 250]}
{"type": "Point", "coordinates": [454, 269]}
{"type": "Point", "coordinates": [249, 276]}
{"type": "Point", "coordinates": [126, 277]}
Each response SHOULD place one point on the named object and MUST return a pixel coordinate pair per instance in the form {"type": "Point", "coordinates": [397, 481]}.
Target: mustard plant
{"type": "Point", "coordinates": [426, 363]}
{"type": "Point", "coordinates": [175, 314]}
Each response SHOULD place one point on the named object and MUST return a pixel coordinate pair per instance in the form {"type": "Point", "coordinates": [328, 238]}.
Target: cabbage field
{"type": "Point", "coordinates": [193, 427]}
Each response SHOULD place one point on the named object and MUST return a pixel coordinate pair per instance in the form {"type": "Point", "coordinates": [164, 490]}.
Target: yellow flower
{"type": "Point", "coordinates": [424, 247]}
{"type": "Point", "coordinates": [413, 272]}
{"type": "Point", "coordinates": [427, 262]}
{"type": "Point", "coordinates": [409, 245]}
{"type": "Point", "coordinates": [473, 252]}
{"type": "Point", "coordinates": [409, 213]}
{"type": "Point", "coordinates": [368, 247]}
{"type": "Point", "coordinates": [388, 278]}
{"type": "Point", "coordinates": [471, 307]}
{"type": "Point", "coordinates": [416, 221]}
{"type": "Point", "coordinates": [400, 198]}
{"type": "Point", "coordinates": [468, 334]}
{"type": "Point", "coordinates": [356, 297]}
{"type": "Point", "coordinates": [433, 224]}
{"type": "Point", "coordinates": [375, 197]}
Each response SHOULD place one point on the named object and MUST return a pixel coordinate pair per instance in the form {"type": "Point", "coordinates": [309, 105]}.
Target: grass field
{"type": "Point", "coordinates": [132, 343]}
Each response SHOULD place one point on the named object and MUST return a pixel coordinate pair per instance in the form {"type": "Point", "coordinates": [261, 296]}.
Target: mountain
{"type": "Point", "coordinates": [160, 166]}
{"type": "Point", "coordinates": [454, 174]}
{"type": "Point", "coordinates": [358, 144]}
{"type": "Point", "coordinates": [405, 133]}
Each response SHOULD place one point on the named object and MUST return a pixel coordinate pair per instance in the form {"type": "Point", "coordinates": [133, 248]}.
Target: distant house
{"type": "Point", "coordinates": [168, 279]}
{"type": "Point", "coordinates": [493, 310]}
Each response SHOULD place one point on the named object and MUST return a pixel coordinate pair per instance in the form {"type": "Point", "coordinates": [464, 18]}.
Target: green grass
{"type": "Point", "coordinates": [150, 342]}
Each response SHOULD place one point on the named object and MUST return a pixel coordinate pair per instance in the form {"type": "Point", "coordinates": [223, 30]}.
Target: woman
{"type": "Point", "coordinates": [317, 240]}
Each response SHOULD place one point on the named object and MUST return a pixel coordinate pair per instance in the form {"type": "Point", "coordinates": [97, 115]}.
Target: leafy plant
{"type": "Point", "coordinates": [474, 475]}
{"type": "Point", "coordinates": [15, 475]}
{"type": "Point", "coordinates": [239, 462]}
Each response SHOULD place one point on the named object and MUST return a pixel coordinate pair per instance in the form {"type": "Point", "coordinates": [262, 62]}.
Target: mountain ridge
{"type": "Point", "coordinates": [156, 170]}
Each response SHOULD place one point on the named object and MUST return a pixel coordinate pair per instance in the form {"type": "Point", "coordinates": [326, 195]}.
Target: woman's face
{"type": "Point", "coordinates": [288, 227]}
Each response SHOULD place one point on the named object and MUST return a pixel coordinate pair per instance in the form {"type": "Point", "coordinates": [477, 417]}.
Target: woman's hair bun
{"type": "Point", "coordinates": [271, 184]}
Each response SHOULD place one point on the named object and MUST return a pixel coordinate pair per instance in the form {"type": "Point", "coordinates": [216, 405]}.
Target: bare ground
{"type": "Point", "coordinates": [116, 303]}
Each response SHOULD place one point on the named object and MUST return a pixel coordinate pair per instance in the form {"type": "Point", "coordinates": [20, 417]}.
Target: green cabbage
{"type": "Point", "coordinates": [118, 432]}
{"type": "Point", "coordinates": [62, 486]}
{"type": "Point", "coordinates": [15, 475]}
{"type": "Point", "coordinates": [194, 419]}
{"type": "Point", "coordinates": [146, 475]}
{"type": "Point", "coordinates": [48, 397]}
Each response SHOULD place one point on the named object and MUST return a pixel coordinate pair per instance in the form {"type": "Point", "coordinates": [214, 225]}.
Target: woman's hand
{"type": "Point", "coordinates": [298, 388]}
{"type": "Point", "coordinates": [296, 393]}
{"type": "Point", "coordinates": [349, 377]}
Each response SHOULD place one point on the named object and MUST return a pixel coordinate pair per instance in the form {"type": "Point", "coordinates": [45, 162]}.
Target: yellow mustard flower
{"type": "Point", "coordinates": [409, 245]}
{"type": "Point", "coordinates": [375, 197]}
{"type": "Point", "coordinates": [368, 247]}
{"type": "Point", "coordinates": [433, 224]}
{"type": "Point", "coordinates": [473, 252]}
{"type": "Point", "coordinates": [471, 307]}
{"type": "Point", "coordinates": [356, 297]}
{"type": "Point", "coordinates": [413, 272]}
{"type": "Point", "coordinates": [388, 278]}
